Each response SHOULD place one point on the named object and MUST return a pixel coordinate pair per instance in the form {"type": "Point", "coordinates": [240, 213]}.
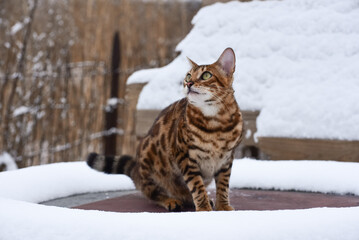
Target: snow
{"type": "Point", "coordinates": [114, 101]}
{"type": "Point", "coordinates": [296, 63]}
{"type": "Point", "coordinates": [312, 176]}
{"type": "Point", "coordinates": [28, 221]}
{"type": "Point", "coordinates": [65, 179]}
{"type": "Point", "coordinates": [21, 110]}
{"type": "Point", "coordinates": [16, 27]}
{"type": "Point", "coordinates": [325, 111]}
{"type": "Point", "coordinates": [8, 161]}
{"type": "Point", "coordinates": [46, 182]}
{"type": "Point", "coordinates": [21, 218]}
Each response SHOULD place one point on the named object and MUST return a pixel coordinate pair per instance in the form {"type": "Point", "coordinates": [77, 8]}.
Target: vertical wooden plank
{"type": "Point", "coordinates": [111, 109]}
{"type": "Point", "coordinates": [122, 115]}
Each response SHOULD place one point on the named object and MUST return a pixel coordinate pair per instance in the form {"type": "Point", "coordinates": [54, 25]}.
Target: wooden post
{"type": "Point", "coordinates": [111, 127]}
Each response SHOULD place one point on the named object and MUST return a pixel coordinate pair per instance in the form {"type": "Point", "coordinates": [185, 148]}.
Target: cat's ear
{"type": "Point", "coordinates": [227, 61]}
{"type": "Point", "coordinates": [193, 64]}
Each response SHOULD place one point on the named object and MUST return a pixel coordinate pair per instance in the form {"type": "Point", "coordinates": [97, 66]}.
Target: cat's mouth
{"type": "Point", "coordinates": [191, 91]}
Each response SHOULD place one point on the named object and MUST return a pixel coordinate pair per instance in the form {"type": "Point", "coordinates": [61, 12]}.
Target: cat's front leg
{"type": "Point", "coordinates": [222, 187]}
{"type": "Point", "coordinates": [192, 176]}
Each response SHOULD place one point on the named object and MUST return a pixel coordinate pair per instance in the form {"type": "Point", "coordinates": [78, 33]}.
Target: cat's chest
{"type": "Point", "coordinates": [213, 150]}
{"type": "Point", "coordinates": [210, 155]}
{"type": "Point", "coordinates": [211, 164]}
{"type": "Point", "coordinates": [217, 143]}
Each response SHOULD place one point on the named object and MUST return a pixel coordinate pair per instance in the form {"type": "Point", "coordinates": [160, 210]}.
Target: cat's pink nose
{"type": "Point", "coordinates": [189, 84]}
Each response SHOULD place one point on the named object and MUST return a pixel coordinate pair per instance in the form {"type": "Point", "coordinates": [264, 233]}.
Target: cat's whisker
{"type": "Point", "coordinates": [221, 100]}
{"type": "Point", "coordinates": [210, 89]}
{"type": "Point", "coordinates": [210, 92]}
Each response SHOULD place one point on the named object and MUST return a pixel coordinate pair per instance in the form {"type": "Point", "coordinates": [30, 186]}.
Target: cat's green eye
{"type": "Point", "coordinates": [188, 77]}
{"type": "Point", "coordinates": [206, 75]}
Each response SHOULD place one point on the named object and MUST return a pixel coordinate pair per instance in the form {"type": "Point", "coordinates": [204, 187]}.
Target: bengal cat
{"type": "Point", "coordinates": [191, 142]}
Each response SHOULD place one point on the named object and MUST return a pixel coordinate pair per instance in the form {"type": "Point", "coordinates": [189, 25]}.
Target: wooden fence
{"type": "Point", "coordinates": [55, 78]}
{"type": "Point", "coordinates": [63, 114]}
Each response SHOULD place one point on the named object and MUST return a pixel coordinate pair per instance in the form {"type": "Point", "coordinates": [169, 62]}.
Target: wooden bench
{"type": "Point", "coordinates": [309, 149]}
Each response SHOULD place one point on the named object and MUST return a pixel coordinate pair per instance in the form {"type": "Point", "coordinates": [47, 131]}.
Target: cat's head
{"type": "Point", "coordinates": [206, 85]}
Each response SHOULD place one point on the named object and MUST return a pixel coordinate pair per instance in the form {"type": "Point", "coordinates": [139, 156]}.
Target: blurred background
{"type": "Point", "coordinates": [64, 67]}
{"type": "Point", "coordinates": [55, 68]}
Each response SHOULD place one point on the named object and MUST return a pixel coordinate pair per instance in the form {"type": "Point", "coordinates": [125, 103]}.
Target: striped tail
{"type": "Point", "coordinates": [112, 164]}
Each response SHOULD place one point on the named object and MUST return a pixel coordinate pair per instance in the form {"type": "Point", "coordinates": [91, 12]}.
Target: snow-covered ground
{"type": "Point", "coordinates": [22, 218]}
{"type": "Point", "coordinates": [297, 62]}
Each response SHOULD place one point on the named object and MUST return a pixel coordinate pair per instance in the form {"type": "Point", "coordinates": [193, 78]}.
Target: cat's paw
{"type": "Point", "coordinates": [207, 208]}
{"type": "Point", "coordinates": [204, 209]}
{"type": "Point", "coordinates": [224, 208]}
{"type": "Point", "coordinates": [173, 205]}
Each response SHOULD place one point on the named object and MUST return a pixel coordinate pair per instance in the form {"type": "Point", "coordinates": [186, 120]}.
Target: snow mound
{"type": "Point", "coordinates": [296, 62]}
{"type": "Point", "coordinates": [46, 182]}
{"type": "Point", "coordinates": [20, 218]}
{"type": "Point", "coordinates": [308, 176]}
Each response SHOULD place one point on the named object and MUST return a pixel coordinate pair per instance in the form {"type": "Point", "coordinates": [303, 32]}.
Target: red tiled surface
{"type": "Point", "coordinates": [241, 199]}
